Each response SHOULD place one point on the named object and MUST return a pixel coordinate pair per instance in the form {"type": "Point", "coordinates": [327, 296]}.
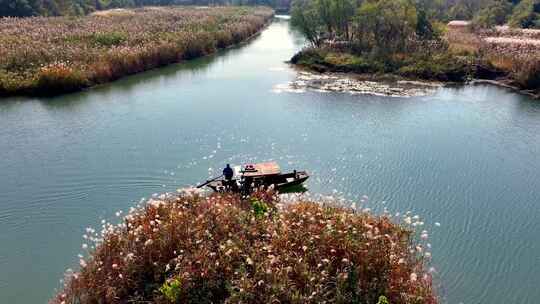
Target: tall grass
{"type": "Point", "coordinates": [42, 55]}
{"type": "Point", "coordinates": [513, 53]}
{"type": "Point", "coordinates": [222, 248]}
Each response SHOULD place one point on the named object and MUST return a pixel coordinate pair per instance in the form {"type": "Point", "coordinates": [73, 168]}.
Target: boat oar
{"type": "Point", "coordinates": [208, 181]}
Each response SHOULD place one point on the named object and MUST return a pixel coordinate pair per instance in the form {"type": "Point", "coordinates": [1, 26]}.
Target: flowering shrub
{"type": "Point", "coordinates": [105, 46]}
{"type": "Point", "coordinates": [222, 248]}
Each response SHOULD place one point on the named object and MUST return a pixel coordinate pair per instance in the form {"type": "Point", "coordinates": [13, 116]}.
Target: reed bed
{"type": "Point", "coordinates": [50, 55]}
{"type": "Point", "coordinates": [514, 53]}
{"type": "Point", "coordinates": [225, 249]}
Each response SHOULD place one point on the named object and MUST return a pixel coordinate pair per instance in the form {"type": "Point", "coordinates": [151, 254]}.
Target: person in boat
{"type": "Point", "coordinates": [228, 173]}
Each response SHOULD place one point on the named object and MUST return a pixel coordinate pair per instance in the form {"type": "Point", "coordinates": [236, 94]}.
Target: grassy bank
{"type": "Point", "coordinates": [193, 249]}
{"type": "Point", "coordinates": [439, 67]}
{"type": "Point", "coordinates": [47, 56]}
{"type": "Point", "coordinates": [513, 54]}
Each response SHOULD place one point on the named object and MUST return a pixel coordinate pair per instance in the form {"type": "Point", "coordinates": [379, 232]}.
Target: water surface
{"type": "Point", "coordinates": [468, 158]}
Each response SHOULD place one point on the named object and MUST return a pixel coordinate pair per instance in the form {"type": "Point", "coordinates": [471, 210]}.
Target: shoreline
{"type": "Point", "coordinates": [363, 84]}
{"type": "Point", "coordinates": [502, 83]}
{"type": "Point", "coordinates": [215, 53]}
{"type": "Point", "coordinates": [392, 78]}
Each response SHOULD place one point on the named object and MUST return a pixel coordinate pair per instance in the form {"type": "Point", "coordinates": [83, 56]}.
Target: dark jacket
{"type": "Point", "coordinates": [228, 172]}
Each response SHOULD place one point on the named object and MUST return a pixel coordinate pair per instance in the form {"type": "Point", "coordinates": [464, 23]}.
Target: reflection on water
{"type": "Point", "coordinates": [467, 157]}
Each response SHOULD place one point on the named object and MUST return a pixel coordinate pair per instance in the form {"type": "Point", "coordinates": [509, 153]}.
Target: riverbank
{"type": "Point", "coordinates": [191, 248]}
{"type": "Point", "coordinates": [50, 56]}
{"type": "Point", "coordinates": [503, 57]}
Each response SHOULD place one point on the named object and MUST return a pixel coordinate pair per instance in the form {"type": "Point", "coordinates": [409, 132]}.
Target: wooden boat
{"type": "Point", "coordinates": [250, 177]}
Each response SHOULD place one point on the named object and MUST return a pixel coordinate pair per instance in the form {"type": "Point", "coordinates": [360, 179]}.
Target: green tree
{"type": "Point", "coordinates": [19, 8]}
{"type": "Point", "coordinates": [495, 13]}
{"type": "Point", "coordinates": [385, 26]}
{"type": "Point", "coordinates": [306, 18]}
{"type": "Point", "coordinates": [341, 14]}
{"type": "Point", "coordinates": [526, 14]}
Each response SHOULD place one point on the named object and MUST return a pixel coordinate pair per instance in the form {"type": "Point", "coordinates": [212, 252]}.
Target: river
{"type": "Point", "coordinates": [467, 158]}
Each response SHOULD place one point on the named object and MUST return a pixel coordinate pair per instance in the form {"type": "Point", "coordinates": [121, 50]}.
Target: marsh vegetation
{"type": "Point", "coordinates": [50, 55]}
{"type": "Point", "coordinates": [227, 249]}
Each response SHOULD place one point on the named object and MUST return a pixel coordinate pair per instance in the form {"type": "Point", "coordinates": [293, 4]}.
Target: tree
{"type": "Point", "coordinates": [494, 14]}
{"type": "Point", "coordinates": [305, 16]}
{"type": "Point", "coordinates": [341, 12]}
{"type": "Point", "coordinates": [526, 14]}
{"type": "Point", "coordinates": [19, 8]}
{"type": "Point", "coordinates": [424, 29]}
{"type": "Point", "coordinates": [385, 26]}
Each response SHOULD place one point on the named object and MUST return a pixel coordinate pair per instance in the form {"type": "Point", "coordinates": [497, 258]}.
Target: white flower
{"type": "Point", "coordinates": [114, 266]}
{"type": "Point", "coordinates": [407, 220]}
{"type": "Point", "coordinates": [148, 242]}
{"type": "Point", "coordinates": [84, 246]}
{"type": "Point", "coordinates": [414, 277]}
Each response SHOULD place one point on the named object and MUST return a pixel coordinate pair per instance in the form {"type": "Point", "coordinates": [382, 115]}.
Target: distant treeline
{"type": "Point", "coordinates": [487, 13]}
{"type": "Point", "coordinates": [26, 8]}
{"type": "Point", "coordinates": [483, 13]}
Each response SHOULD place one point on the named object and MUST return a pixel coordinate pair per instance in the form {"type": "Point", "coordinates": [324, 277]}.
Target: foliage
{"type": "Point", "coordinates": [424, 27]}
{"type": "Point", "coordinates": [526, 72]}
{"type": "Point", "coordinates": [383, 300]}
{"type": "Point", "coordinates": [385, 26]}
{"type": "Point", "coordinates": [526, 14]}
{"type": "Point", "coordinates": [305, 17]}
{"type": "Point", "coordinates": [57, 78]}
{"type": "Point", "coordinates": [440, 66]}
{"type": "Point", "coordinates": [462, 9]}
{"type": "Point", "coordinates": [171, 289]}
{"type": "Point", "coordinates": [494, 14]}
{"type": "Point", "coordinates": [195, 249]}
{"type": "Point", "coordinates": [41, 55]}
{"type": "Point", "coordinates": [260, 208]}
{"type": "Point", "coordinates": [109, 39]}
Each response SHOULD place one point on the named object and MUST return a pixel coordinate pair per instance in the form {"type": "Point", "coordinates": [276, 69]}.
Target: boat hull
{"type": "Point", "coordinates": [280, 182]}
